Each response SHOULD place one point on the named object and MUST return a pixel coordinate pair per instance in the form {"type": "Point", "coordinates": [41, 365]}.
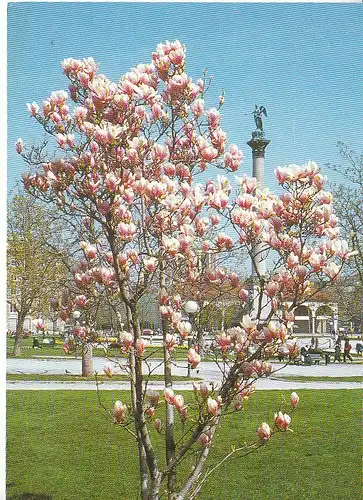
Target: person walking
{"type": "Point", "coordinates": [337, 351]}
{"type": "Point", "coordinates": [346, 352]}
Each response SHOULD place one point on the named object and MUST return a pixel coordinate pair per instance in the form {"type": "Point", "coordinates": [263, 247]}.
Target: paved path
{"type": "Point", "coordinates": [262, 384]}
{"type": "Point", "coordinates": [207, 370]}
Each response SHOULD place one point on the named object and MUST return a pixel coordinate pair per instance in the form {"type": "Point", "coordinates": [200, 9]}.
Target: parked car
{"type": "Point", "coordinates": [147, 332]}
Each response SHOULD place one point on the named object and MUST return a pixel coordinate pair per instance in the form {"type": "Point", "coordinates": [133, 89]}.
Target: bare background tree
{"type": "Point", "coordinates": [348, 202]}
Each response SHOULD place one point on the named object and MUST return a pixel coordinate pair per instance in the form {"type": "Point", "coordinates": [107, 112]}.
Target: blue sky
{"type": "Point", "coordinates": [301, 61]}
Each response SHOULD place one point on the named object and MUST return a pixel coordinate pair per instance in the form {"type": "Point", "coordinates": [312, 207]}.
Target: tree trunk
{"type": "Point", "coordinates": [144, 478]}
{"type": "Point", "coordinates": [141, 426]}
{"type": "Point", "coordinates": [169, 427]}
{"type": "Point", "coordinates": [169, 410]}
{"type": "Point", "coordinates": [87, 360]}
{"type": "Point", "coordinates": [18, 341]}
{"type": "Point", "coordinates": [200, 342]}
{"type": "Point", "coordinates": [192, 481]}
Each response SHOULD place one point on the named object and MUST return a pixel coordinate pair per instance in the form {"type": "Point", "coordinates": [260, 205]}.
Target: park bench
{"type": "Point", "coordinates": [312, 359]}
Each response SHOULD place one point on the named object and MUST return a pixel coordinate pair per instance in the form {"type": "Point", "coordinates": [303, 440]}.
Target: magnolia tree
{"type": "Point", "coordinates": [127, 160]}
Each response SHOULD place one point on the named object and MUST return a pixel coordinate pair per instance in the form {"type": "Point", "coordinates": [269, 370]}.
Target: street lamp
{"type": "Point", "coordinates": [191, 308]}
{"type": "Point", "coordinates": [76, 316]}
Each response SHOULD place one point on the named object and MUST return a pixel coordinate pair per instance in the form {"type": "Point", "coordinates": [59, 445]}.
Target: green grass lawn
{"type": "Point", "coordinates": [155, 352]}
{"type": "Point", "coordinates": [303, 378]}
{"type": "Point", "coordinates": [29, 352]}
{"type": "Point", "coordinates": [61, 446]}
{"type": "Point", "coordinates": [78, 378]}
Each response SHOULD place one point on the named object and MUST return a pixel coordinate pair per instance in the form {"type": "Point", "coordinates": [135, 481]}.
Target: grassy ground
{"type": "Point", "coordinates": [29, 352]}
{"type": "Point", "coordinates": [78, 378]}
{"type": "Point", "coordinates": [154, 352]}
{"type": "Point", "coordinates": [303, 378]}
{"type": "Point", "coordinates": [61, 446]}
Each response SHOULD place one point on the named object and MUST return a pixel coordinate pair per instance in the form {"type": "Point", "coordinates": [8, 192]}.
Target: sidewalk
{"type": "Point", "coordinates": [261, 384]}
{"type": "Point", "coordinates": [208, 371]}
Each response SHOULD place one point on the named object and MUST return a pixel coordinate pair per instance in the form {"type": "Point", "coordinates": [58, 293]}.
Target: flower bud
{"type": "Point", "coordinates": [158, 425]}
{"type": "Point", "coordinates": [19, 145]}
{"type": "Point", "coordinates": [264, 432]}
{"type": "Point", "coordinates": [108, 370]}
{"type": "Point", "coordinates": [294, 399]}
{"type": "Point", "coordinates": [119, 412]}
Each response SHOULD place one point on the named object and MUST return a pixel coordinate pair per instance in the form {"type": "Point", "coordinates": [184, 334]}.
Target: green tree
{"type": "Point", "coordinates": [35, 268]}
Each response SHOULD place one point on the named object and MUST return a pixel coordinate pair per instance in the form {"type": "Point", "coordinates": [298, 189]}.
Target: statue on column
{"type": "Point", "coordinates": [257, 115]}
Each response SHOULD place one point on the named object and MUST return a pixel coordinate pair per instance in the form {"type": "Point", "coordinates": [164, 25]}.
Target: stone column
{"type": "Point", "coordinates": [258, 144]}
{"type": "Point", "coordinates": [335, 319]}
{"type": "Point", "coordinates": [313, 309]}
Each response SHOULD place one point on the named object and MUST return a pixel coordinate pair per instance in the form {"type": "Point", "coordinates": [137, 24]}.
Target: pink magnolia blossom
{"type": "Point", "coordinates": [193, 358]}
{"type": "Point", "coordinates": [80, 301]}
{"type": "Point", "coordinates": [159, 153]}
{"type": "Point", "coordinates": [264, 432]}
{"type": "Point", "coordinates": [198, 107]}
{"type": "Point", "coordinates": [275, 331]}
{"type": "Point", "coordinates": [126, 231]}
{"type": "Point", "coordinates": [234, 279]}
{"type": "Point", "coordinates": [39, 324]}
{"type": "Point", "coordinates": [224, 342]}
{"type": "Point", "coordinates": [282, 420]}
{"type": "Point", "coordinates": [80, 115]}
{"type": "Point", "coordinates": [156, 111]}
{"type": "Point", "coordinates": [204, 390]}
{"type": "Point", "coordinates": [170, 341]}
{"type": "Point", "coordinates": [111, 182]}
{"type": "Point", "coordinates": [169, 396]}
{"type": "Point", "coordinates": [272, 288]}
{"type": "Point", "coordinates": [292, 261]}
{"type": "Point", "coordinates": [152, 397]}
{"type": "Point", "coordinates": [261, 367]}
{"type": "Point", "coordinates": [171, 245]}
{"type": "Point", "coordinates": [294, 399]}
{"type": "Point", "coordinates": [150, 411]}
{"type": "Point", "coordinates": [141, 345]}
{"type": "Point", "coordinates": [215, 219]}
{"type": "Point", "coordinates": [90, 251]}
{"type": "Point", "coordinates": [204, 440]}
{"type": "Point", "coordinates": [179, 402]}
{"type": "Point", "coordinates": [213, 117]}
{"type": "Point", "coordinates": [212, 406]}
{"type": "Point", "coordinates": [126, 340]}
{"type": "Point", "coordinates": [62, 140]}
{"type": "Point", "coordinates": [150, 264]}
{"type": "Point", "coordinates": [331, 270]}
{"type": "Point", "coordinates": [108, 370]}
{"type": "Point", "coordinates": [247, 184]}
{"type": "Point", "coordinates": [119, 412]}
{"type": "Point", "coordinates": [243, 294]}
{"type": "Point", "coordinates": [224, 241]}
{"type": "Point", "coordinates": [19, 145]}
{"type": "Point", "coordinates": [340, 248]}
{"type": "Point", "coordinates": [233, 158]}
{"type": "Point", "coordinates": [158, 425]}
{"type": "Point", "coordinates": [248, 324]}
{"type": "Point", "coordinates": [209, 154]}
{"type": "Point", "coordinates": [33, 108]}
{"type": "Point", "coordinates": [247, 391]}
{"type": "Point", "coordinates": [247, 369]}
{"type": "Point", "coordinates": [196, 386]}
{"type": "Point", "coordinates": [184, 328]}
